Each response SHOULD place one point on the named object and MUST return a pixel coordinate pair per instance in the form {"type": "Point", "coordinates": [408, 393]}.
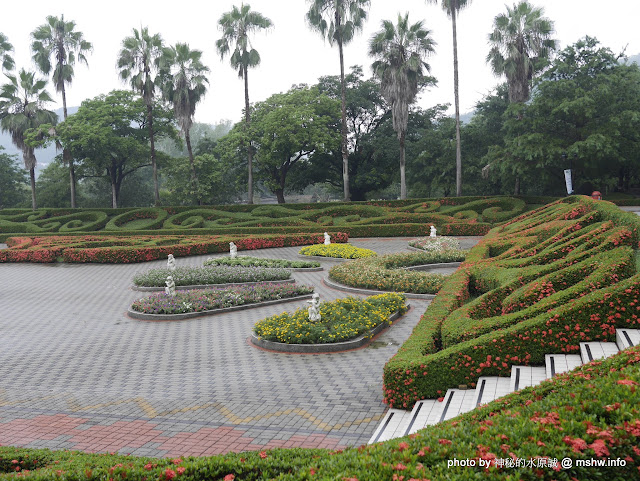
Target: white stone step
{"type": "Point", "coordinates": [525, 376]}
{"type": "Point", "coordinates": [626, 338]}
{"type": "Point", "coordinates": [491, 388]}
{"type": "Point", "coordinates": [457, 401]}
{"type": "Point", "coordinates": [424, 413]}
{"type": "Point", "coordinates": [590, 351]}
{"type": "Point", "coordinates": [558, 363]}
{"type": "Point", "coordinates": [392, 426]}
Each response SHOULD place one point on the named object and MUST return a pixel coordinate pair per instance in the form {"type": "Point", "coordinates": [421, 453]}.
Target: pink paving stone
{"type": "Point", "coordinates": [25, 431]}
{"type": "Point", "coordinates": [109, 435]}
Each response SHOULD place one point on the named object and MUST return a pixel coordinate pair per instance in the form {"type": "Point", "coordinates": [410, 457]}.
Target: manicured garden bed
{"type": "Point", "coordinates": [249, 261]}
{"type": "Point", "coordinates": [194, 303]}
{"type": "Point", "coordinates": [119, 249]}
{"type": "Point", "coordinates": [587, 414]}
{"type": "Point", "coordinates": [191, 276]}
{"type": "Point", "coordinates": [385, 273]}
{"type": "Point", "coordinates": [541, 283]}
{"type": "Point", "coordinates": [339, 251]}
{"type": "Point", "coordinates": [435, 244]}
{"type": "Point", "coordinates": [341, 320]}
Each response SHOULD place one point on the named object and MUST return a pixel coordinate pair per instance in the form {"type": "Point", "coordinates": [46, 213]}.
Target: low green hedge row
{"type": "Point", "coordinates": [588, 414]}
{"type": "Point", "coordinates": [384, 273]}
{"type": "Point", "coordinates": [338, 251]}
{"type": "Point", "coordinates": [121, 250]}
{"type": "Point", "coordinates": [443, 212]}
{"type": "Point", "coordinates": [541, 283]}
{"type": "Point", "coordinates": [249, 261]}
{"type": "Point", "coordinates": [193, 276]}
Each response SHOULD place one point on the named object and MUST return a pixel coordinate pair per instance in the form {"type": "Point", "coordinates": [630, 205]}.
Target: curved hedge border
{"type": "Point", "coordinates": [189, 276]}
{"type": "Point", "coordinates": [589, 413]}
{"type": "Point", "coordinates": [249, 261]}
{"type": "Point", "coordinates": [462, 216]}
{"type": "Point", "coordinates": [542, 283]}
{"type": "Point", "coordinates": [116, 249]}
{"type": "Point", "coordinates": [384, 273]}
{"type": "Point", "coordinates": [339, 251]}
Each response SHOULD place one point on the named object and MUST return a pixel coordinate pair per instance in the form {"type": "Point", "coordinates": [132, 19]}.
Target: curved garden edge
{"type": "Point", "coordinates": [357, 290]}
{"type": "Point", "coordinates": [323, 258]}
{"type": "Point", "coordinates": [433, 267]}
{"type": "Point", "coordinates": [359, 341]}
{"type": "Point", "coordinates": [190, 315]}
{"type": "Point", "coordinates": [211, 286]}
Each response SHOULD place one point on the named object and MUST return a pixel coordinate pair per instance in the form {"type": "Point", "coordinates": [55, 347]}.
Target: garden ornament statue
{"type": "Point", "coordinates": [171, 263]}
{"type": "Point", "coordinates": [327, 239]}
{"type": "Point", "coordinates": [433, 232]}
{"type": "Point", "coordinates": [233, 250]}
{"type": "Point", "coordinates": [314, 308]}
{"type": "Point", "coordinates": [170, 290]}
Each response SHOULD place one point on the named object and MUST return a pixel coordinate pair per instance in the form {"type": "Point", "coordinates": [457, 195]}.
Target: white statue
{"type": "Point", "coordinates": [327, 239]}
{"type": "Point", "coordinates": [433, 232]}
{"type": "Point", "coordinates": [314, 308]}
{"type": "Point", "coordinates": [170, 290]}
{"type": "Point", "coordinates": [171, 263]}
{"type": "Point", "coordinates": [233, 250]}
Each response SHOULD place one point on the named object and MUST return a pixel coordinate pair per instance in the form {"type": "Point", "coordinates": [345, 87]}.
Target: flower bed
{"type": "Point", "coordinates": [248, 261]}
{"type": "Point", "coordinates": [340, 251]}
{"type": "Point", "coordinates": [117, 249]}
{"type": "Point", "coordinates": [587, 414]}
{"type": "Point", "coordinates": [439, 243]}
{"type": "Point", "coordinates": [384, 273]}
{"type": "Point", "coordinates": [190, 276]}
{"type": "Point", "coordinates": [542, 283]}
{"type": "Point", "coordinates": [341, 320]}
{"type": "Point", "coordinates": [207, 300]}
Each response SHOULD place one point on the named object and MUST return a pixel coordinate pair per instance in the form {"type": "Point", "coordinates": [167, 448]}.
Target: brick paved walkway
{"type": "Point", "coordinates": [77, 373]}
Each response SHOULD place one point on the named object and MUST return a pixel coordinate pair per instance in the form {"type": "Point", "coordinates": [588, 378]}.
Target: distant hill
{"type": "Point", "coordinates": [634, 59]}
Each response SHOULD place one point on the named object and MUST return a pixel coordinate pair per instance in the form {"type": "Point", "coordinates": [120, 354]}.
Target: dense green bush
{"type": "Point", "coordinates": [248, 261]}
{"type": "Point", "coordinates": [541, 283]}
{"type": "Point", "coordinates": [193, 276]}
{"type": "Point", "coordinates": [341, 251]}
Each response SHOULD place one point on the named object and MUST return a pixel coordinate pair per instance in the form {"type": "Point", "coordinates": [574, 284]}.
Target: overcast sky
{"type": "Point", "coordinates": [291, 53]}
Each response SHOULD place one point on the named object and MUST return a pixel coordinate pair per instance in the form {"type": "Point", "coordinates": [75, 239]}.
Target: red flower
{"type": "Point", "coordinates": [402, 446]}
{"type": "Point", "coordinates": [169, 473]}
{"type": "Point", "coordinates": [444, 441]}
{"type": "Point", "coordinates": [263, 454]}
{"type": "Point", "coordinates": [229, 477]}
{"type": "Point", "coordinates": [600, 447]}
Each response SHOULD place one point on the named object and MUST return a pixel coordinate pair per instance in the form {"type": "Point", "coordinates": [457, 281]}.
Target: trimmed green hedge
{"type": "Point", "coordinates": [459, 216]}
{"type": "Point", "coordinates": [589, 413]}
{"type": "Point", "coordinates": [541, 283]}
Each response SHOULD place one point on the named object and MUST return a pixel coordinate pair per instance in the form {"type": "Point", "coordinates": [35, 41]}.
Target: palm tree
{"type": "Point", "coordinates": [453, 7]}
{"type": "Point", "coordinates": [338, 21]}
{"type": "Point", "coordinates": [521, 45]}
{"type": "Point", "coordinates": [184, 85]}
{"type": "Point", "coordinates": [138, 61]}
{"type": "Point", "coordinates": [59, 40]}
{"type": "Point", "coordinates": [22, 108]}
{"type": "Point", "coordinates": [236, 26]}
{"type": "Point", "coordinates": [399, 52]}
{"type": "Point", "coordinates": [5, 47]}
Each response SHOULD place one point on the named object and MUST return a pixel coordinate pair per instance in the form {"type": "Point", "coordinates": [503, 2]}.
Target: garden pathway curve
{"type": "Point", "coordinates": [77, 373]}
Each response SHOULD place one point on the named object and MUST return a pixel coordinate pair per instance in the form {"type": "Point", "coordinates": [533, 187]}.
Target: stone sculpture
{"type": "Point", "coordinates": [327, 239]}
{"type": "Point", "coordinates": [233, 250]}
{"type": "Point", "coordinates": [314, 308]}
{"type": "Point", "coordinates": [433, 232]}
{"type": "Point", "coordinates": [170, 290]}
{"type": "Point", "coordinates": [171, 263]}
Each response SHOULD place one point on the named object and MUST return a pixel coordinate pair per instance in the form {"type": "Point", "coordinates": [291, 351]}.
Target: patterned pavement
{"type": "Point", "coordinates": [77, 373]}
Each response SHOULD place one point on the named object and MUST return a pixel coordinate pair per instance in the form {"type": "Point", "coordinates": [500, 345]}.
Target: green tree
{"type": "Point", "coordinates": [109, 135]}
{"type": "Point", "coordinates": [184, 84]}
{"type": "Point", "coordinates": [5, 57]}
{"type": "Point", "coordinates": [289, 129]}
{"type": "Point", "coordinates": [13, 182]}
{"type": "Point", "coordinates": [52, 185]}
{"type": "Point", "coordinates": [59, 40]}
{"type": "Point", "coordinates": [138, 63]}
{"type": "Point", "coordinates": [236, 27]}
{"type": "Point", "coordinates": [521, 46]}
{"type": "Point", "coordinates": [338, 21]}
{"type": "Point", "coordinates": [453, 7]}
{"type": "Point", "coordinates": [399, 53]}
{"type": "Point", "coordinates": [22, 103]}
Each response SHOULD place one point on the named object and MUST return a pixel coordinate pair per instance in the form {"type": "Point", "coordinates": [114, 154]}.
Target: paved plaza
{"type": "Point", "coordinates": [77, 373]}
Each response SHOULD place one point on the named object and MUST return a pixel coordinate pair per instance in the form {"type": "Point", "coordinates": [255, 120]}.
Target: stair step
{"type": "Point", "coordinates": [525, 376]}
{"type": "Point", "coordinates": [558, 363]}
{"type": "Point", "coordinates": [391, 426]}
{"type": "Point", "coordinates": [491, 388]}
{"type": "Point", "coordinates": [457, 401]}
{"type": "Point", "coordinates": [626, 338]}
{"type": "Point", "coordinates": [590, 351]}
{"type": "Point", "coordinates": [424, 413]}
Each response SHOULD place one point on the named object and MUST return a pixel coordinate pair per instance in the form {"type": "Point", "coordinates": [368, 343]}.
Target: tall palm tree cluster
{"type": "Point", "coordinates": [520, 46]}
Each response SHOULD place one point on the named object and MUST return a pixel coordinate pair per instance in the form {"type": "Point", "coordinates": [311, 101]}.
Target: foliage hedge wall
{"type": "Point", "coordinates": [116, 249]}
{"type": "Point", "coordinates": [591, 413]}
{"type": "Point", "coordinates": [541, 283]}
{"type": "Point", "coordinates": [452, 216]}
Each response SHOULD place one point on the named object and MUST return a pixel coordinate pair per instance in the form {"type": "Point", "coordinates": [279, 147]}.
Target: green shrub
{"type": "Point", "coordinates": [340, 320]}
{"type": "Point", "coordinates": [248, 261]}
{"type": "Point", "coordinates": [342, 251]}
{"type": "Point", "coordinates": [193, 276]}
